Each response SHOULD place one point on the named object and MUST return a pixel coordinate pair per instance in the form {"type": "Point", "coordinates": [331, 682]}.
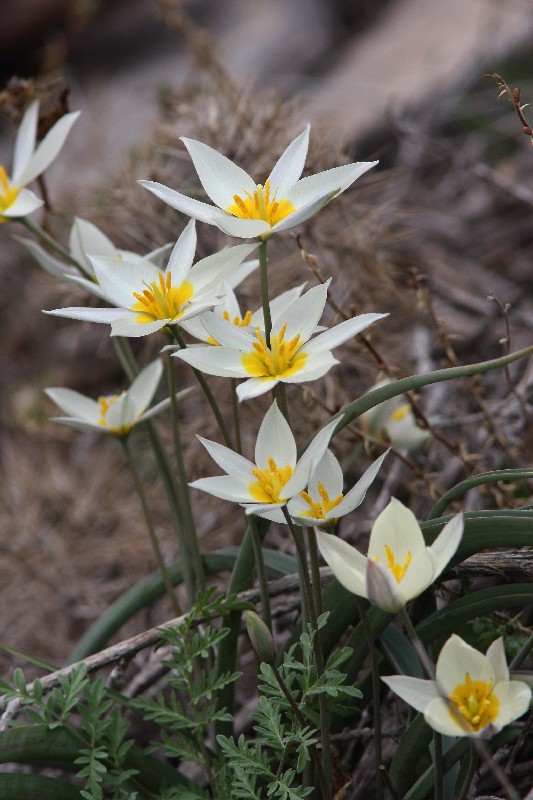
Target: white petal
{"type": "Point", "coordinates": [341, 333]}
{"type": "Point", "coordinates": [81, 425]}
{"type": "Point", "coordinates": [241, 272]}
{"type": "Point", "coordinates": [155, 256]}
{"type": "Point", "coordinates": [48, 149]}
{"type": "Point", "coordinates": [356, 495]}
{"type": "Point", "coordinates": [347, 563]}
{"type": "Point", "coordinates": [445, 545]}
{"type": "Point", "coordinates": [127, 325]}
{"type": "Point", "coordinates": [86, 239]}
{"type": "Point", "coordinates": [232, 463]}
{"type": "Point", "coordinates": [212, 360]}
{"type": "Point", "coordinates": [213, 269]}
{"type": "Point", "coordinates": [194, 327]}
{"type": "Point", "coordinates": [25, 141]}
{"type": "Point", "coordinates": [120, 413]}
{"type": "Point", "coordinates": [254, 387]}
{"type": "Point", "coordinates": [515, 699]}
{"type": "Point", "coordinates": [397, 528]}
{"type": "Point", "coordinates": [496, 656]}
{"type": "Point", "coordinates": [290, 165]}
{"type": "Point", "coordinates": [382, 589]}
{"type": "Point", "coordinates": [227, 334]}
{"type": "Point", "coordinates": [106, 315]}
{"type": "Point", "coordinates": [242, 228]}
{"type": "Point", "coordinates": [278, 306]}
{"type": "Point", "coordinates": [414, 691]}
{"type": "Point", "coordinates": [275, 440]}
{"type": "Point", "coordinates": [439, 717]}
{"type": "Point", "coordinates": [90, 286]}
{"type": "Point", "coordinates": [163, 405]}
{"type": "Point", "coordinates": [309, 460]}
{"type": "Point", "coordinates": [226, 487]}
{"type": "Point", "coordinates": [182, 254]}
{"type": "Point", "coordinates": [75, 404]}
{"type": "Point", "coordinates": [25, 203]}
{"type": "Point", "coordinates": [273, 513]}
{"type": "Point", "coordinates": [328, 472]}
{"type": "Point", "coordinates": [315, 367]}
{"type": "Point", "coordinates": [229, 304]}
{"type": "Point", "coordinates": [418, 575]}
{"type": "Point", "coordinates": [303, 314]}
{"type": "Point", "coordinates": [144, 387]}
{"type": "Point", "coordinates": [301, 214]}
{"type": "Point", "coordinates": [193, 208]}
{"type": "Point", "coordinates": [334, 180]}
{"type": "Point", "coordinates": [456, 659]}
{"type": "Point", "coordinates": [219, 176]}
{"type": "Point", "coordinates": [119, 279]}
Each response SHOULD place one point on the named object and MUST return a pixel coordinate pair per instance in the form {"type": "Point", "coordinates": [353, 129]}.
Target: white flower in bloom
{"type": "Point", "coordinates": [248, 210]}
{"type": "Point", "coordinates": [399, 566]}
{"type": "Point", "coordinates": [293, 357]}
{"type": "Point", "coordinates": [148, 298]}
{"type": "Point", "coordinates": [276, 475]}
{"type": "Point", "coordinates": [230, 311]}
{"type": "Point", "coordinates": [113, 414]}
{"type": "Point", "coordinates": [394, 422]}
{"type": "Point", "coordinates": [471, 695]}
{"type": "Point", "coordinates": [29, 162]}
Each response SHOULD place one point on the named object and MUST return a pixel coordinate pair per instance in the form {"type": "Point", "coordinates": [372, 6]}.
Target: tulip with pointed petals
{"type": "Point", "coordinates": [394, 422]}
{"type": "Point", "coordinates": [249, 210]}
{"type": "Point", "coordinates": [471, 695]}
{"type": "Point", "coordinates": [115, 414]}
{"type": "Point", "coordinates": [29, 162]}
{"type": "Point", "coordinates": [293, 357]}
{"type": "Point", "coordinates": [399, 565]}
{"type": "Point", "coordinates": [275, 477]}
{"type": "Point", "coordinates": [148, 299]}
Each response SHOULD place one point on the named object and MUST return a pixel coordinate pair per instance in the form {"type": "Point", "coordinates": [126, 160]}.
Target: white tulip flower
{"type": "Point", "coordinates": [29, 162]}
{"type": "Point", "coordinates": [293, 357]}
{"type": "Point", "coordinates": [471, 694]}
{"type": "Point", "coordinates": [399, 566]}
{"type": "Point", "coordinates": [393, 422]}
{"type": "Point", "coordinates": [275, 477]}
{"type": "Point", "coordinates": [148, 299]}
{"type": "Point", "coordinates": [114, 414]}
{"type": "Point", "coordinates": [249, 210]}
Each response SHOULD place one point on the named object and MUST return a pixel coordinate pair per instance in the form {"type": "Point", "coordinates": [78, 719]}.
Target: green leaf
{"type": "Point", "coordinates": [483, 479]}
{"type": "Point", "coordinates": [400, 653]}
{"type": "Point", "coordinates": [14, 786]}
{"type": "Point", "coordinates": [413, 744]}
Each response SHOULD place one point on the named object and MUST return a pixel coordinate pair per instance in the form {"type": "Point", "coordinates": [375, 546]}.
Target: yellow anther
{"type": "Point", "coordinates": [8, 193]}
{"type": "Point", "coordinates": [105, 402]}
{"type": "Point", "coordinates": [473, 704]}
{"type": "Point", "coordinates": [400, 413]}
{"type": "Point", "coordinates": [161, 300]}
{"type": "Point", "coordinates": [261, 205]}
{"type": "Point", "coordinates": [319, 510]}
{"type": "Point", "coordinates": [281, 360]}
{"type": "Point", "coordinates": [270, 482]}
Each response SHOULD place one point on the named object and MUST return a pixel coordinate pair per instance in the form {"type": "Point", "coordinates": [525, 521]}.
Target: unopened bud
{"type": "Point", "coordinates": [261, 638]}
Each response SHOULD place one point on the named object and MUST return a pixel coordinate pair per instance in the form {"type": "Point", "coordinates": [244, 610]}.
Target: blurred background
{"type": "Point", "coordinates": [444, 222]}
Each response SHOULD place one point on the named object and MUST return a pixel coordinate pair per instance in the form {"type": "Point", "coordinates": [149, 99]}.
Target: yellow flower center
{"type": "Point", "coordinates": [281, 360]}
{"type": "Point", "coordinates": [398, 570]}
{"type": "Point", "coordinates": [400, 413]}
{"type": "Point", "coordinates": [105, 403]}
{"type": "Point", "coordinates": [8, 194]}
{"type": "Point", "coordinates": [261, 205]}
{"type": "Point", "coordinates": [237, 321]}
{"type": "Point", "coordinates": [161, 300]}
{"type": "Point", "coordinates": [474, 704]}
{"type": "Point", "coordinates": [319, 509]}
{"type": "Point", "coordinates": [270, 482]}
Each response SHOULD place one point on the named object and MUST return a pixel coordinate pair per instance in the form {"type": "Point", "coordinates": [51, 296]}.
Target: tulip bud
{"type": "Point", "coordinates": [261, 637]}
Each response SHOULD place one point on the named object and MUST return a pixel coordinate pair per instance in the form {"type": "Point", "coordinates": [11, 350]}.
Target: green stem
{"type": "Point", "coordinates": [265, 300]}
{"type": "Point", "coordinates": [317, 648]}
{"type": "Point", "coordinates": [522, 654]}
{"type": "Point", "coordinates": [376, 688]}
{"type": "Point", "coordinates": [150, 526]}
{"type": "Point", "coordinates": [281, 396]}
{"type": "Point", "coordinates": [53, 245]}
{"type": "Point", "coordinates": [261, 573]}
{"type": "Point", "coordinates": [129, 365]}
{"type": "Point", "coordinates": [425, 660]}
{"type": "Point", "coordinates": [315, 569]}
{"type": "Point", "coordinates": [471, 771]}
{"type": "Point", "coordinates": [439, 767]}
{"type": "Point", "coordinates": [236, 418]}
{"type": "Point", "coordinates": [207, 391]}
{"type": "Point", "coordinates": [185, 494]}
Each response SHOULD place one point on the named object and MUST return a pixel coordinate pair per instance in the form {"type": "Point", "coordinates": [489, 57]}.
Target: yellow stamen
{"type": "Point", "coordinates": [400, 413]}
{"type": "Point", "coordinates": [398, 570]}
{"type": "Point", "coordinates": [319, 509]}
{"type": "Point", "coordinates": [270, 482]}
{"type": "Point", "coordinates": [261, 205]}
{"type": "Point", "coordinates": [281, 360]}
{"type": "Point", "coordinates": [161, 300]}
{"type": "Point", "coordinates": [474, 705]}
{"type": "Point", "coordinates": [8, 194]}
